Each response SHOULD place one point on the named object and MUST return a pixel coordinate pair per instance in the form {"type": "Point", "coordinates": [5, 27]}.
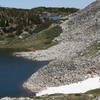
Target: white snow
{"type": "Point", "coordinates": [80, 87]}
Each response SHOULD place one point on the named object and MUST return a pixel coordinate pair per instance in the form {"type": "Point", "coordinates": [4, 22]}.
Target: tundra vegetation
{"type": "Point", "coordinates": [59, 97]}
{"type": "Point", "coordinates": [24, 26]}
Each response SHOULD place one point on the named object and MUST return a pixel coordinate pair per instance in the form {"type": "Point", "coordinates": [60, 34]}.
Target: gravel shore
{"type": "Point", "coordinates": [77, 55]}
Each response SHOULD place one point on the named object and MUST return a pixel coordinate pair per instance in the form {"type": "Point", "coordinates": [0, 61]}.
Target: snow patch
{"type": "Point", "coordinates": [80, 87]}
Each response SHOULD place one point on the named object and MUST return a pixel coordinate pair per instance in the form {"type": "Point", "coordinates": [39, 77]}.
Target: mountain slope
{"type": "Point", "coordinates": [17, 25]}
{"type": "Point", "coordinates": [76, 57]}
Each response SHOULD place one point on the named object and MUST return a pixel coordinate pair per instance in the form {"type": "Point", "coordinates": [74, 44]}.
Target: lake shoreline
{"type": "Point", "coordinates": [43, 55]}
{"type": "Point", "coordinates": [14, 71]}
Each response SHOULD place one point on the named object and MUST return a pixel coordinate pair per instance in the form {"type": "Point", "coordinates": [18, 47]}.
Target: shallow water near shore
{"type": "Point", "coordinates": [13, 72]}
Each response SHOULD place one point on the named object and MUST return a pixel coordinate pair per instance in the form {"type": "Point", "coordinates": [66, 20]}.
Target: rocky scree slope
{"type": "Point", "coordinates": [76, 57]}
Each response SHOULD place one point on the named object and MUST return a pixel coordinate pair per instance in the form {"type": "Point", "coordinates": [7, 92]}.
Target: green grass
{"type": "Point", "coordinates": [1, 38]}
{"type": "Point", "coordinates": [44, 39]}
{"type": "Point", "coordinates": [41, 40]}
{"type": "Point", "coordinates": [96, 91]}
{"type": "Point", "coordinates": [94, 48]}
{"type": "Point", "coordinates": [65, 97]}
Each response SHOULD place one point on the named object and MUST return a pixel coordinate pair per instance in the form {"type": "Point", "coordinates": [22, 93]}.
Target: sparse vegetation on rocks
{"type": "Point", "coordinates": [17, 25]}
{"type": "Point", "coordinates": [59, 97]}
{"type": "Point", "coordinates": [76, 54]}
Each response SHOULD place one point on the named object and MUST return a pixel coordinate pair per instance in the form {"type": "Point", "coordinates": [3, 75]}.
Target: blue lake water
{"type": "Point", "coordinates": [51, 17]}
{"type": "Point", "coordinates": [13, 72]}
{"type": "Point", "coordinates": [54, 17]}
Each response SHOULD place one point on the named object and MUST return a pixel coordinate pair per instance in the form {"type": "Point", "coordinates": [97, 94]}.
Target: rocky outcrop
{"type": "Point", "coordinates": [76, 57]}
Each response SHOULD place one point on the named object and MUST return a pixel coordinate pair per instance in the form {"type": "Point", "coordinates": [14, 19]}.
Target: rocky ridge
{"type": "Point", "coordinates": [75, 58]}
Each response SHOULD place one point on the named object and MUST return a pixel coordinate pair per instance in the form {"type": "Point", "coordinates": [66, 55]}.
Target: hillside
{"type": "Point", "coordinates": [18, 24]}
{"type": "Point", "coordinates": [75, 58]}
